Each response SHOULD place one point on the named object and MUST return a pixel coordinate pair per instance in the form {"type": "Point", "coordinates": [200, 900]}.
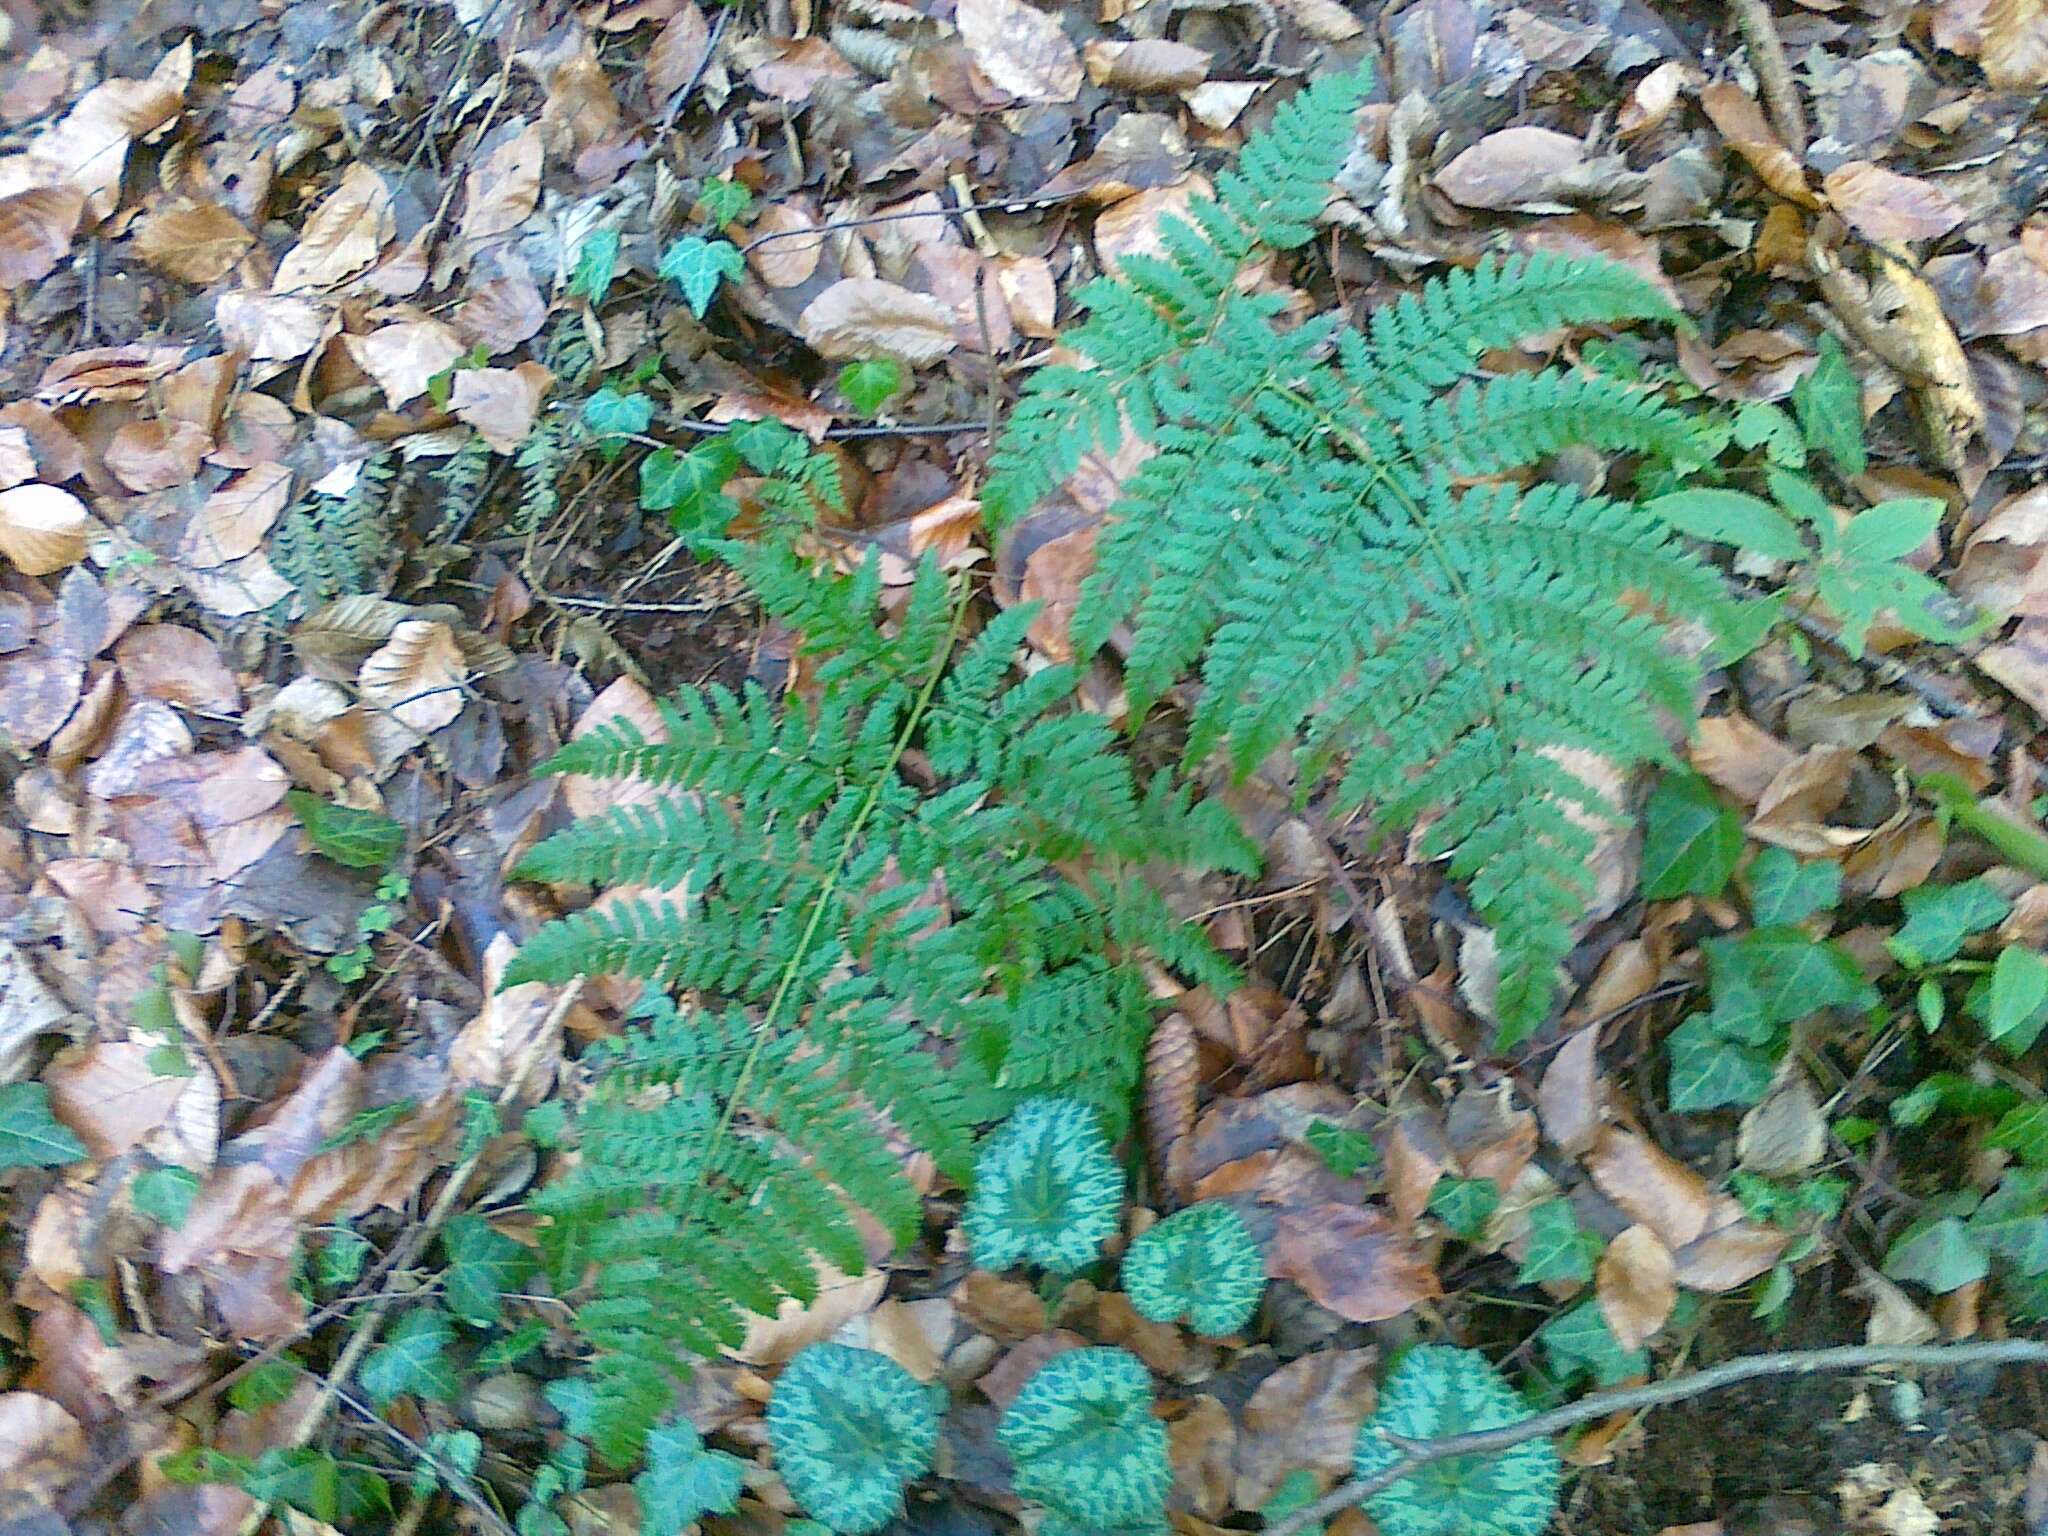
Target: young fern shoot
{"type": "Point", "coordinates": [1329, 529]}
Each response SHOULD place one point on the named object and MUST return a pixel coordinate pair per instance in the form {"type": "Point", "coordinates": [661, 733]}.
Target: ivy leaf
{"type": "Point", "coordinates": [1783, 890]}
{"type": "Point", "coordinates": [1793, 974]}
{"type": "Point", "coordinates": [1940, 917]}
{"type": "Point", "coordinates": [1942, 1254]}
{"type": "Point", "coordinates": [687, 485]}
{"type": "Point", "coordinates": [1709, 1070]}
{"type": "Point", "coordinates": [1464, 1205]}
{"type": "Point", "coordinates": [30, 1135]}
{"type": "Point", "coordinates": [684, 1481]}
{"type": "Point", "coordinates": [2013, 1220]}
{"type": "Point", "coordinates": [315, 1482]}
{"type": "Point", "coordinates": [1344, 1152]}
{"type": "Point", "coordinates": [1558, 1250]}
{"type": "Point", "coordinates": [1690, 840]}
{"type": "Point", "coordinates": [2024, 1132]}
{"type": "Point", "coordinates": [723, 200]}
{"type": "Point", "coordinates": [608, 412]}
{"type": "Point", "coordinates": [698, 266]}
{"type": "Point", "coordinates": [868, 384]}
{"type": "Point", "coordinates": [2019, 986]}
{"type": "Point", "coordinates": [1579, 1343]}
{"type": "Point", "coordinates": [165, 1194]}
{"type": "Point", "coordinates": [1732, 517]}
{"type": "Point", "coordinates": [483, 1264]}
{"type": "Point", "coordinates": [1829, 404]}
{"type": "Point", "coordinates": [596, 259]}
{"type": "Point", "coordinates": [412, 1359]}
{"type": "Point", "coordinates": [359, 839]}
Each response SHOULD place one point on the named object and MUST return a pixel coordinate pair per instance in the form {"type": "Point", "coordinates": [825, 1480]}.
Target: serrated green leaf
{"type": "Point", "coordinates": [1558, 1250]}
{"type": "Point", "coordinates": [1690, 840]}
{"type": "Point", "coordinates": [1759, 424]}
{"type": "Point", "coordinates": [1942, 1254]}
{"type": "Point", "coordinates": [413, 1359]}
{"type": "Point", "coordinates": [1829, 403]}
{"type": "Point", "coordinates": [456, 1450]}
{"type": "Point", "coordinates": [359, 839]}
{"type": "Point", "coordinates": [1940, 917]}
{"type": "Point", "coordinates": [1783, 890]}
{"type": "Point", "coordinates": [1732, 517]}
{"type": "Point", "coordinates": [684, 1481]}
{"type": "Point", "coordinates": [483, 1264]}
{"type": "Point", "coordinates": [503, 1354]}
{"type": "Point", "coordinates": [697, 266]}
{"type": "Point", "coordinates": [30, 1135]}
{"type": "Point", "coordinates": [1892, 530]}
{"type": "Point", "coordinates": [869, 383]}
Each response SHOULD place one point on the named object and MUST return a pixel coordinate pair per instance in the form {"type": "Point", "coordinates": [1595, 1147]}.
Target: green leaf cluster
{"type": "Point", "coordinates": [1201, 1265]}
{"type": "Point", "coordinates": [1084, 1442]}
{"type": "Point", "coordinates": [1047, 1190]}
{"type": "Point", "coordinates": [850, 1428]}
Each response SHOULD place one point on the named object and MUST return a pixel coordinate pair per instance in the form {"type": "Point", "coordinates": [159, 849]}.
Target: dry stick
{"type": "Point", "coordinates": [1773, 72]}
{"type": "Point", "coordinates": [366, 1331]}
{"type": "Point", "coordinates": [1798, 1362]}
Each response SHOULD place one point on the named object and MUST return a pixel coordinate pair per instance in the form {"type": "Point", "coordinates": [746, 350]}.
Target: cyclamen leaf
{"type": "Point", "coordinates": [358, 838]}
{"type": "Point", "coordinates": [1085, 1443]}
{"type": "Point", "coordinates": [850, 1428]}
{"type": "Point", "coordinates": [683, 1481]}
{"type": "Point", "coordinates": [30, 1135]}
{"type": "Point", "coordinates": [698, 266]}
{"type": "Point", "coordinates": [1735, 518]}
{"type": "Point", "coordinates": [1201, 1264]}
{"type": "Point", "coordinates": [1690, 840]}
{"type": "Point", "coordinates": [1829, 403]}
{"type": "Point", "coordinates": [1046, 1190]}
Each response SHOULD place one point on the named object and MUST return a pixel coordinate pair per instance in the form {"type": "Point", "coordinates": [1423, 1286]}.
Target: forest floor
{"type": "Point", "coordinates": [292, 606]}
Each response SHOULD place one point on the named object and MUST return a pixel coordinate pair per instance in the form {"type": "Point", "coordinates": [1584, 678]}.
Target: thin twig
{"type": "Point", "coordinates": [1417, 1454]}
{"type": "Point", "coordinates": [675, 102]}
{"type": "Point", "coordinates": [1773, 72]}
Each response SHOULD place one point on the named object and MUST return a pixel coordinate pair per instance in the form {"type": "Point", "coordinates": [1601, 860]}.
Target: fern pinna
{"type": "Point", "coordinates": [872, 918]}
{"type": "Point", "coordinates": [1329, 526]}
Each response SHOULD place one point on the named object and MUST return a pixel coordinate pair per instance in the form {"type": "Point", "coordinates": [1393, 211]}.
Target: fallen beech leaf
{"type": "Point", "coordinates": [417, 676]}
{"type": "Point", "coordinates": [1787, 1133]}
{"type": "Point", "coordinates": [42, 528]}
{"type": "Point", "coordinates": [866, 317]}
{"type": "Point", "coordinates": [17, 457]}
{"type": "Point", "coordinates": [234, 518]}
{"type": "Point", "coordinates": [179, 666]}
{"type": "Point", "coordinates": [88, 147]}
{"type": "Point", "coordinates": [107, 373]}
{"type": "Point", "coordinates": [1351, 1260]}
{"type": "Point", "coordinates": [677, 52]}
{"type": "Point", "coordinates": [502, 313]}
{"type": "Point", "coordinates": [1021, 50]}
{"type": "Point", "coordinates": [42, 1451]}
{"type": "Point", "coordinates": [1149, 64]}
{"type": "Point", "coordinates": [2013, 295]}
{"type": "Point", "coordinates": [1201, 1448]}
{"type": "Point", "coordinates": [35, 232]}
{"type": "Point", "coordinates": [112, 1095]}
{"type": "Point", "coordinates": [193, 242]}
{"type": "Point", "coordinates": [1027, 288]}
{"type": "Point", "coordinates": [516, 1038]}
{"type": "Point", "coordinates": [156, 455]}
{"type": "Point", "coordinates": [268, 327]}
{"type": "Point", "coordinates": [240, 587]}
{"type": "Point", "coordinates": [787, 262]}
{"type": "Point", "coordinates": [1883, 205]}
{"type": "Point", "coordinates": [342, 237]}
{"type": "Point", "coordinates": [2014, 55]}
{"type": "Point", "coordinates": [1739, 755]}
{"type": "Point", "coordinates": [1741, 121]}
{"type": "Point", "coordinates": [1636, 1286]}
{"type": "Point", "coordinates": [1654, 1188]}
{"type": "Point", "coordinates": [1570, 1095]}
{"type": "Point", "coordinates": [623, 700]}
{"type": "Point", "coordinates": [841, 1298]}
{"type": "Point", "coordinates": [501, 403]}
{"type": "Point", "coordinates": [1730, 1256]}
{"type": "Point", "coordinates": [1219, 103]}
{"type": "Point", "coordinates": [1324, 20]}
{"type": "Point", "coordinates": [1306, 1414]}
{"type": "Point", "coordinates": [501, 194]}
{"type": "Point", "coordinates": [1511, 167]}
{"type": "Point", "coordinates": [403, 357]}
{"type": "Point", "coordinates": [1653, 98]}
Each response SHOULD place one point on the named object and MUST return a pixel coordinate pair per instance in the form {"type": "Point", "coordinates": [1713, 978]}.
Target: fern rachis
{"type": "Point", "coordinates": [1323, 533]}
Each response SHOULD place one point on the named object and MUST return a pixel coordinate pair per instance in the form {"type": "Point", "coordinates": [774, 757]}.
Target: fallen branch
{"type": "Point", "coordinates": [1773, 72]}
{"type": "Point", "coordinates": [1417, 1454]}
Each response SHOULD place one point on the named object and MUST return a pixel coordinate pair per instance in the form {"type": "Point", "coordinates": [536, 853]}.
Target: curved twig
{"type": "Point", "coordinates": [1807, 1362]}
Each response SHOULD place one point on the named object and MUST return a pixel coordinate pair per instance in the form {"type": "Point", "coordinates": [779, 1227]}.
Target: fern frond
{"type": "Point", "coordinates": [1298, 539]}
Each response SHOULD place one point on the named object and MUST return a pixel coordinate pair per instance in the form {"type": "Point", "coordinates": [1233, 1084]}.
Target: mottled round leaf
{"type": "Point", "coordinates": [1202, 1265]}
{"type": "Point", "coordinates": [1085, 1444]}
{"type": "Point", "coordinates": [1047, 1189]}
{"type": "Point", "coordinates": [850, 1428]}
{"type": "Point", "coordinates": [1437, 1391]}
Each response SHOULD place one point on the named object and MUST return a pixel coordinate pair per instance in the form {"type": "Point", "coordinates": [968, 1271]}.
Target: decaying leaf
{"type": "Point", "coordinates": [343, 235]}
{"type": "Point", "coordinates": [866, 317]}
{"type": "Point", "coordinates": [418, 676]}
{"type": "Point", "coordinates": [1655, 1189]}
{"type": "Point", "coordinates": [35, 232]}
{"type": "Point", "coordinates": [501, 403]}
{"type": "Point", "coordinates": [1021, 50]}
{"type": "Point", "coordinates": [1883, 205]}
{"type": "Point", "coordinates": [1636, 1285]}
{"type": "Point", "coordinates": [42, 528]}
{"type": "Point", "coordinates": [193, 241]}
{"type": "Point", "coordinates": [1352, 1260]}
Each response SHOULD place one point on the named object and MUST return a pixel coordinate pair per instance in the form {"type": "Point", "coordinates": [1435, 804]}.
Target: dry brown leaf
{"type": "Point", "coordinates": [17, 457]}
{"type": "Point", "coordinates": [841, 1298]}
{"type": "Point", "coordinates": [179, 666]}
{"type": "Point", "coordinates": [1729, 1256]}
{"type": "Point", "coordinates": [240, 587]}
{"type": "Point", "coordinates": [1324, 20]}
{"type": "Point", "coordinates": [35, 232]}
{"type": "Point", "coordinates": [1636, 1286]}
{"type": "Point", "coordinates": [1654, 1188]}
{"type": "Point", "coordinates": [403, 357]}
{"type": "Point", "coordinates": [192, 241]}
{"type": "Point", "coordinates": [1304, 1415]}
{"type": "Point", "coordinates": [1511, 167]}
{"type": "Point", "coordinates": [1785, 1134]}
{"type": "Point", "coordinates": [1654, 97]}
{"type": "Point", "coordinates": [790, 260]}
{"type": "Point", "coordinates": [115, 1099]}
{"type": "Point", "coordinates": [499, 195]}
{"type": "Point", "coordinates": [1794, 808]}
{"type": "Point", "coordinates": [1217, 104]}
{"type": "Point", "coordinates": [1027, 288]}
{"type": "Point", "coordinates": [42, 528]}
{"type": "Point", "coordinates": [343, 235]}
{"type": "Point", "coordinates": [1739, 755]}
{"type": "Point", "coordinates": [677, 52]}
{"type": "Point", "coordinates": [1571, 1097]}
{"type": "Point", "coordinates": [501, 403]}
{"type": "Point", "coordinates": [2013, 295]}
{"type": "Point", "coordinates": [1352, 1260]}
{"type": "Point", "coordinates": [502, 313]}
{"type": "Point", "coordinates": [233, 520]}
{"type": "Point", "coordinates": [156, 455]}
{"type": "Point", "coordinates": [42, 1450]}
{"type": "Point", "coordinates": [861, 317]}
{"type": "Point", "coordinates": [1020, 50]}
{"type": "Point", "coordinates": [1883, 205]}
{"type": "Point", "coordinates": [1742, 123]}
{"type": "Point", "coordinates": [1202, 1449]}
{"type": "Point", "coordinates": [1003, 1381]}
{"type": "Point", "coordinates": [88, 147]}
{"type": "Point", "coordinates": [516, 1038]}
{"type": "Point", "coordinates": [107, 373]}
{"type": "Point", "coordinates": [624, 700]}
{"type": "Point", "coordinates": [417, 676]}
{"type": "Point", "coordinates": [1000, 1307]}
{"type": "Point", "coordinates": [267, 327]}
{"type": "Point", "coordinates": [1172, 1088]}
{"type": "Point", "coordinates": [2014, 54]}
{"type": "Point", "coordinates": [1149, 64]}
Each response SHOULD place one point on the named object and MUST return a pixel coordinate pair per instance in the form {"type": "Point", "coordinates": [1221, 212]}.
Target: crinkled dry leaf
{"type": "Point", "coordinates": [1304, 1415]}
{"type": "Point", "coordinates": [42, 528]}
{"type": "Point", "coordinates": [179, 666]}
{"type": "Point", "coordinates": [1149, 64]}
{"type": "Point", "coordinates": [501, 403]}
{"type": "Point", "coordinates": [417, 676]}
{"type": "Point", "coordinates": [516, 1038]}
{"type": "Point", "coordinates": [402, 358]}
{"type": "Point", "coordinates": [27, 1009]}
{"type": "Point", "coordinates": [788, 260]}
{"type": "Point", "coordinates": [2014, 54]}
{"type": "Point", "coordinates": [502, 313]}
{"type": "Point", "coordinates": [624, 699]}
{"type": "Point", "coordinates": [1201, 1448]}
{"type": "Point", "coordinates": [771, 1341]}
{"type": "Point", "coordinates": [501, 193]}
{"type": "Point", "coordinates": [1020, 50]}
{"type": "Point", "coordinates": [1654, 1188]}
{"type": "Point", "coordinates": [1729, 1256]}
{"type": "Point", "coordinates": [343, 235]}
{"type": "Point", "coordinates": [17, 457]}
{"type": "Point", "coordinates": [113, 1095]}
{"type": "Point", "coordinates": [42, 1449]}
{"type": "Point", "coordinates": [1787, 1133]}
{"type": "Point", "coordinates": [1352, 1260]}
{"type": "Point", "coordinates": [240, 587]}
{"type": "Point", "coordinates": [107, 373]}
{"type": "Point", "coordinates": [678, 50]}
{"type": "Point", "coordinates": [156, 455]}
{"type": "Point", "coordinates": [867, 317]}
{"type": "Point", "coordinates": [233, 520]}
{"type": "Point", "coordinates": [35, 232]}
{"type": "Point", "coordinates": [1741, 121]}
{"type": "Point", "coordinates": [270, 327]}
{"type": "Point", "coordinates": [1571, 1096]}
{"type": "Point", "coordinates": [1883, 205]}
{"type": "Point", "coordinates": [194, 242]}
{"type": "Point", "coordinates": [1511, 167]}
{"type": "Point", "coordinates": [1636, 1286]}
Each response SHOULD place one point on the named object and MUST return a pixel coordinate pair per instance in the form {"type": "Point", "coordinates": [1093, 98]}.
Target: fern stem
{"type": "Point", "coordinates": [786, 983]}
